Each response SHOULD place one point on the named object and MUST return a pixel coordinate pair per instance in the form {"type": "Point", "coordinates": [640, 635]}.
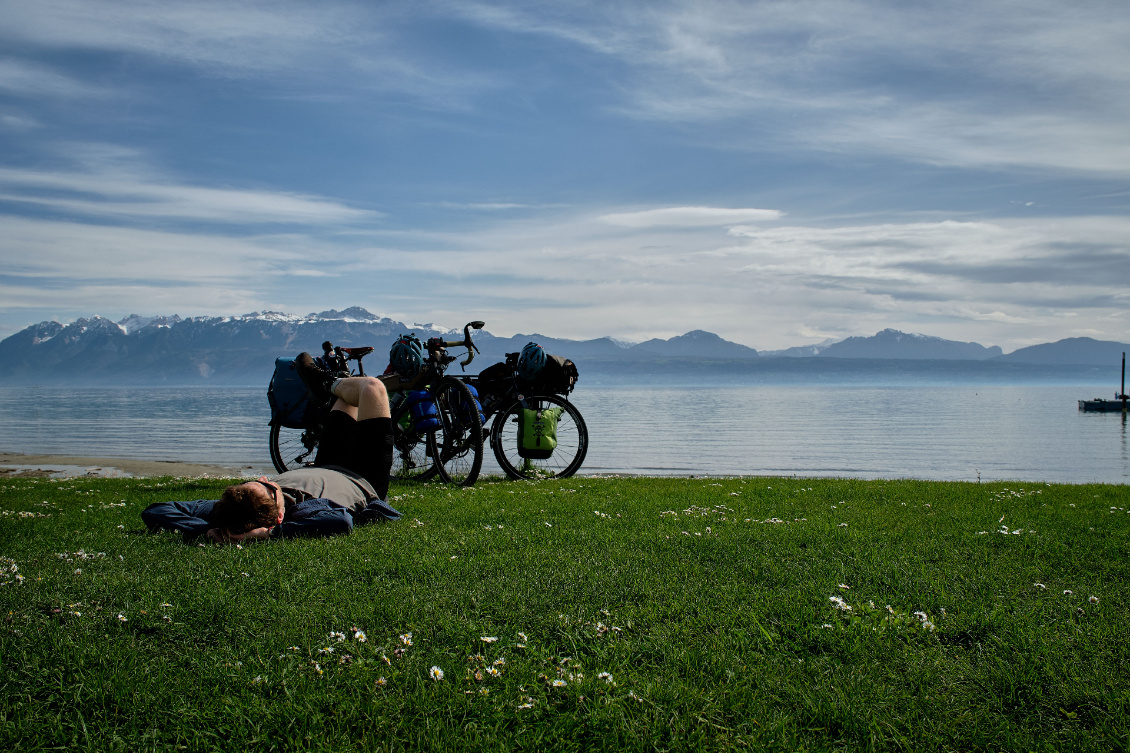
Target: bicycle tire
{"type": "Point", "coordinates": [413, 453]}
{"type": "Point", "coordinates": [572, 441]}
{"type": "Point", "coordinates": [293, 448]}
{"type": "Point", "coordinates": [461, 444]}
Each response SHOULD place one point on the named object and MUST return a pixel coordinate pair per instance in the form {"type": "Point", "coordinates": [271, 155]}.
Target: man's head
{"type": "Point", "coordinates": [244, 507]}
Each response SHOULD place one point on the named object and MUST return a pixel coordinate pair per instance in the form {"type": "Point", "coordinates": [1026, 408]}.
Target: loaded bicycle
{"type": "Point", "coordinates": [536, 431]}
{"type": "Point", "coordinates": [437, 429]}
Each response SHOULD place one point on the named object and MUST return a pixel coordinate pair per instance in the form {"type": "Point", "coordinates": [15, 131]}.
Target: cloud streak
{"type": "Point", "coordinates": [690, 217]}
{"type": "Point", "coordinates": [125, 196]}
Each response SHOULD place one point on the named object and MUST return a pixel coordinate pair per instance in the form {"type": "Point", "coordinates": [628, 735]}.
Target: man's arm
{"type": "Point", "coordinates": [190, 518]}
{"type": "Point", "coordinates": [314, 517]}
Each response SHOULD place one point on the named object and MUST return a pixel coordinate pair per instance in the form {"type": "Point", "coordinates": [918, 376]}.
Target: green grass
{"type": "Point", "coordinates": [715, 623]}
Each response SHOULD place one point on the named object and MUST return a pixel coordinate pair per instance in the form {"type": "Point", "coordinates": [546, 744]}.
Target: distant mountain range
{"type": "Point", "coordinates": [241, 350]}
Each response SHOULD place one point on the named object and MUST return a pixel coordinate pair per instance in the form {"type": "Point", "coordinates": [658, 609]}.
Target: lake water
{"type": "Point", "coordinates": [1027, 433]}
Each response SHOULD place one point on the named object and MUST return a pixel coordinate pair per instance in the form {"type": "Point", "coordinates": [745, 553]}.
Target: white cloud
{"type": "Point", "coordinates": [1013, 82]}
{"type": "Point", "coordinates": [690, 217]}
{"type": "Point", "coordinates": [23, 77]}
{"type": "Point", "coordinates": [237, 36]}
{"type": "Point", "coordinates": [13, 122]}
{"type": "Point", "coordinates": [114, 194]}
{"type": "Point", "coordinates": [1009, 83]}
{"type": "Point", "coordinates": [72, 251]}
{"type": "Point", "coordinates": [1004, 283]}
{"type": "Point", "coordinates": [994, 282]}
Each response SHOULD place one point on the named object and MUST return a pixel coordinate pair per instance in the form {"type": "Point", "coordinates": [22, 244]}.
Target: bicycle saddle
{"type": "Point", "coordinates": [358, 352]}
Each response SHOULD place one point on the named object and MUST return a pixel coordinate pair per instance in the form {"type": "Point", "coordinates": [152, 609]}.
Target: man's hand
{"type": "Point", "coordinates": [254, 533]}
{"type": "Point", "coordinates": [221, 536]}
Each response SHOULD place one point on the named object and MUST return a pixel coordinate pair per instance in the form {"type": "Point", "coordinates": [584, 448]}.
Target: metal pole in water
{"type": "Point", "coordinates": [1123, 385]}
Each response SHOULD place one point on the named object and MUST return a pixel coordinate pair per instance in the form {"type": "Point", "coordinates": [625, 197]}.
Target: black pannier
{"type": "Point", "coordinates": [559, 376]}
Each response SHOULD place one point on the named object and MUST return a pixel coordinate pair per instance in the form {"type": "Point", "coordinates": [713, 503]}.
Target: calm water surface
{"type": "Point", "coordinates": [1030, 433]}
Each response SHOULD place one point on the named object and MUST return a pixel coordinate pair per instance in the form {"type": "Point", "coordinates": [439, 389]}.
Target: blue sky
{"type": "Point", "coordinates": [776, 172]}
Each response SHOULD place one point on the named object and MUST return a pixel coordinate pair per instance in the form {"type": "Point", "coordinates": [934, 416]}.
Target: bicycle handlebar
{"type": "Point", "coordinates": [343, 355]}
{"type": "Point", "coordinates": [466, 342]}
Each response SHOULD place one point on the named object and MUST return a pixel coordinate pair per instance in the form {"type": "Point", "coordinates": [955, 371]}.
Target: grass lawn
{"type": "Point", "coordinates": [585, 614]}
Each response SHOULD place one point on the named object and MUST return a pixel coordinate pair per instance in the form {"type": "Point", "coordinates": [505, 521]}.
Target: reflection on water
{"type": "Point", "coordinates": [1025, 433]}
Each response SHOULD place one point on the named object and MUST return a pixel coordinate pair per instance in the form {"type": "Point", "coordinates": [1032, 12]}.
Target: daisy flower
{"type": "Point", "coordinates": [435, 673]}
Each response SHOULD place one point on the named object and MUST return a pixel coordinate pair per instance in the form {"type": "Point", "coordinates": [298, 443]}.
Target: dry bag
{"type": "Point", "coordinates": [537, 432]}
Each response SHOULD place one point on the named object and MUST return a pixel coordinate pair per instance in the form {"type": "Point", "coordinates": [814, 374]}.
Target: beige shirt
{"type": "Point", "coordinates": [334, 483]}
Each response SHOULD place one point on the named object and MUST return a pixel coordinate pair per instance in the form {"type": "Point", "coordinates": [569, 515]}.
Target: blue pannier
{"type": "Point", "coordinates": [465, 410]}
{"type": "Point", "coordinates": [425, 415]}
{"type": "Point", "coordinates": [288, 396]}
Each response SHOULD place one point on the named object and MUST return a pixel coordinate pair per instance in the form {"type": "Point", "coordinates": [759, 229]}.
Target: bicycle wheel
{"type": "Point", "coordinates": [413, 452]}
{"type": "Point", "coordinates": [293, 448]}
{"type": "Point", "coordinates": [572, 440]}
{"type": "Point", "coordinates": [460, 440]}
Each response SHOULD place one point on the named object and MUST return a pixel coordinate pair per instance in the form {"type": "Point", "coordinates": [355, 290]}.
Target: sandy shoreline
{"type": "Point", "coordinates": [14, 464]}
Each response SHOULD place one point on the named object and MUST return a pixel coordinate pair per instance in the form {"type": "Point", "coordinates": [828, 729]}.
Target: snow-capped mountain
{"type": "Point", "coordinates": [242, 349]}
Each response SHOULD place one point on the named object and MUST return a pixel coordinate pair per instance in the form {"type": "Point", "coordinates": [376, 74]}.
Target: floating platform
{"type": "Point", "coordinates": [1101, 405]}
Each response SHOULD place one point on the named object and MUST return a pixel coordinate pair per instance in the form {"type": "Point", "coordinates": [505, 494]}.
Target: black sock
{"type": "Point", "coordinates": [339, 437]}
{"type": "Point", "coordinates": [375, 457]}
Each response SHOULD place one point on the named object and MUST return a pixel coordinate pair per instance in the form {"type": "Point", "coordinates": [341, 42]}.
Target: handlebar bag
{"type": "Point", "coordinates": [537, 432]}
{"type": "Point", "coordinates": [425, 415]}
{"type": "Point", "coordinates": [287, 395]}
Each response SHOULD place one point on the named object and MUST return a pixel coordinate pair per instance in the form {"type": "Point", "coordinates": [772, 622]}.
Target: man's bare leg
{"type": "Point", "coordinates": [366, 395]}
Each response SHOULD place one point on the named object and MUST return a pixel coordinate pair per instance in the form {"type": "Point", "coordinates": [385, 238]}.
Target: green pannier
{"type": "Point", "coordinates": [537, 432]}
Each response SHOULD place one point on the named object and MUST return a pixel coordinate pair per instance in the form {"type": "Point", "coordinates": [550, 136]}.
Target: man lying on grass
{"type": "Point", "coordinates": [346, 486]}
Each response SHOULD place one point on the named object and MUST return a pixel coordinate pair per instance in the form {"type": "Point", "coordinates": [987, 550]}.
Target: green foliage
{"type": "Point", "coordinates": [621, 613]}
